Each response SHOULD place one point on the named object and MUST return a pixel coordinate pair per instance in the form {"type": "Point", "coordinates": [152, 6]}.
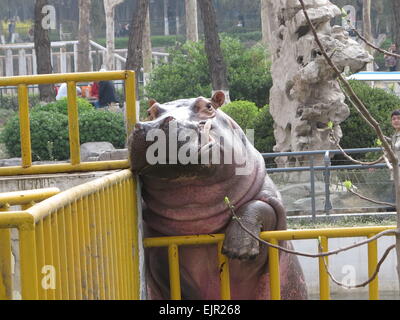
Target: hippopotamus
{"type": "Point", "coordinates": [180, 154]}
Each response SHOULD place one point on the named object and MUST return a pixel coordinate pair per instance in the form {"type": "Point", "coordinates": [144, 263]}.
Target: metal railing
{"type": "Point", "coordinates": [25, 199]}
{"type": "Point", "coordinates": [81, 243]}
{"type": "Point", "coordinates": [326, 168]}
{"type": "Point", "coordinates": [75, 164]}
{"type": "Point", "coordinates": [323, 235]}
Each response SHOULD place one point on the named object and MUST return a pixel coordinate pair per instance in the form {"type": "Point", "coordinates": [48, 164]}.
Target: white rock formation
{"type": "Point", "coordinates": [306, 95]}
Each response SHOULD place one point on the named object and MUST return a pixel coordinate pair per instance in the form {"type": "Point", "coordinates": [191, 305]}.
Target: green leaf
{"type": "Point", "coordinates": [348, 184]}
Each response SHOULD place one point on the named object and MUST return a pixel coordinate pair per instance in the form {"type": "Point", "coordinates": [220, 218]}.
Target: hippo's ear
{"type": "Point", "coordinates": [151, 102]}
{"type": "Point", "coordinates": [218, 99]}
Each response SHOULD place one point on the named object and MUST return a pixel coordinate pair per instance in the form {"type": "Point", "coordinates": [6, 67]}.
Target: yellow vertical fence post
{"type": "Point", "coordinates": [134, 236]}
{"type": "Point", "coordinates": [324, 291]}
{"type": "Point", "coordinates": [372, 264]}
{"type": "Point", "coordinates": [274, 274]}
{"type": "Point", "coordinates": [73, 124]}
{"type": "Point", "coordinates": [223, 269]}
{"type": "Point", "coordinates": [174, 276]}
{"type": "Point", "coordinates": [24, 125]}
{"type": "Point", "coordinates": [27, 249]}
{"type": "Point", "coordinates": [130, 97]}
{"type": "Point", "coordinates": [5, 262]}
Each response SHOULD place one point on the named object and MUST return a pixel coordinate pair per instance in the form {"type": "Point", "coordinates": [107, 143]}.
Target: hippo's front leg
{"type": "Point", "coordinates": [257, 216]}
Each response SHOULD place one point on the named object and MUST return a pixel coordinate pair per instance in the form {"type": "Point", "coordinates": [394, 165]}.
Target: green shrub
{"type": "Point", "coordinates": [11, 101]}
{"type": "Point", "coordinates": [187, 73]}
{"type": "Point", "coordinates": [61, 106]}
{"type": "Point", "coordinates": [102, 126]}
{"type": "Point", "coordinates": [243, 112]}
{"type": "Point", "coordinates": [49, 133]}
{"type": "Point", "coordinates": [49, 136]}
{"type": "Point", "coordinates": [356, 132]}
{"type": "Point", "coordinates": [248, 116]}
{"type": "Point", "coordinates": [5, 114]}
{"type": "Point", "coordinates": [264, 139]}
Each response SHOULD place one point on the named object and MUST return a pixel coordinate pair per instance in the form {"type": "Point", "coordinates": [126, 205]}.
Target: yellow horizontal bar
{"type": "Point", "coordinates": [65, 167]}
{"type": "Point", "coordinates": [27, 196]}
{"type": "Point", "coordinates": [44, 208]}
{"type": "Point", "coordinates": [14, 219]}
{"type": "Point", "coordinates": [329, 233]}
{"type": "Point", "coordinates": [183, 240]}
{"type": "Point", "coordinates": [64, 77]}
{"type": "Point", "coordinates": [278, 235]}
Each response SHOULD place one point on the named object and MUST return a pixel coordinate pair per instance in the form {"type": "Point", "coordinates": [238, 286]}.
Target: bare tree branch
{"type": "Point", "coordinates": [372, 200]}
{"type": "Point", "coordinates": [365, 282]}
{"type": "Point", "coordinates": [310, 255]}
{"type": "Point", "coordinates": [371, 44]}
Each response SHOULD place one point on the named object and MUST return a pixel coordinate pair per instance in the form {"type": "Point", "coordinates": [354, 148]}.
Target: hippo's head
{"type": "Point", "coordinates": [184, 138]}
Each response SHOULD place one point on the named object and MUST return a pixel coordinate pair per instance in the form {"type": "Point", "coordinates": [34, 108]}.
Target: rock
{"type": "Point", "coordinates": [118, 154]}
{"type": "Point", "coordinates": [90, 150]}
{"type": "Point", "coordinates": [12, 162]}
{"type": "Point", "coordinates": [306, 95]}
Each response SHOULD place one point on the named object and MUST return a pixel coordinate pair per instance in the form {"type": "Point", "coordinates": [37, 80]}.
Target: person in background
{"type": "Point", "coordinates": [95, 90]}
{"type": "Point", "coordinates": [391, 61]}
{"type": "Point", "coordinates": [395, 144]}
{"type": "Point", "coordinates": [62, 91]}
{"type": "Point", "coordinates": [106, 94]}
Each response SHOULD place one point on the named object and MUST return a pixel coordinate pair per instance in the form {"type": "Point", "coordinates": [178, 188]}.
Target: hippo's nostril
{"type": "Point", "coordinates": [168, 120]}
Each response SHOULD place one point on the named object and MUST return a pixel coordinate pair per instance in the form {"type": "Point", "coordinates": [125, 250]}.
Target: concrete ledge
{"type": "Point", "coordinates": [63, 181]}
{"type": "Point", "coordinates": [340, 217]}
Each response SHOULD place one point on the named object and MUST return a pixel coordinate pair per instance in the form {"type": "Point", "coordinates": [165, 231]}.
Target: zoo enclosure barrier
{"type": "Point", "coordinates": [22, 82]}
{"type": "Point", "coordinates": [79, 244]}
{"type": "Point", "coordinates": [25, 199]}
{"type": "Point", "coordinates": [326, 168]}
{"type": "Point", "coordinates": [84, 243]}
{"type": "Point", "coordinates": [322, 235]}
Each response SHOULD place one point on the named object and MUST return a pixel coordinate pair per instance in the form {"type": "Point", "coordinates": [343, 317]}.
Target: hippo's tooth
{"type": "Point", "coordinates": [205, 133]}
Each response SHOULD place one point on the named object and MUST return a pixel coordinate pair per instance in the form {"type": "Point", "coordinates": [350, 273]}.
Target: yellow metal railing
{"type": "Point", "coordinates": [273, 237]}
{"type": "Point", "coordinates": [71, 79]}
{"type": "Point", "coordinates": [81, 243]}
{"type": "Point", "coordinates": [25, 199]}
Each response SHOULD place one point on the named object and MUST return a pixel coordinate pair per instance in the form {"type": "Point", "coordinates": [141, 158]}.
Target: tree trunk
{"type": "Point", "coordinates": [109, 8]}
{"type": "Point", "coordinates": [192, 32]}
{"type": "Point", "coordinates": [43, 52]}
{"type": "Point", "coordinates": [135, 58]}
{"type": "Point", "coordinates": [147, 54]}
{"type": "Point", "coordinates": [396, 27]}
{"type": "Point", "coordinates": [177, 19]}
{"type": "Point", "coordinates": [84, 64]}
{"type": "Point", "coordinates": [367, 30]}
{"type": "Point", "coordinates": [216, 62]}
{"type": "Point", "coordinates": [265, 27]}
{"type": "Point", "coordinates": [166, 21]}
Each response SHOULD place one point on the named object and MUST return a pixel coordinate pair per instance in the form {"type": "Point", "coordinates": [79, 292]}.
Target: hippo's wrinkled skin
{"type": "Point", "coordinates": [188, 199]}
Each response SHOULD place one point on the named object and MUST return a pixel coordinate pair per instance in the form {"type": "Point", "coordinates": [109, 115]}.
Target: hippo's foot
{"type": "Point", "coordinates": [255, 216]}
{"type": "Point", "coordinates": [238, 243]}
